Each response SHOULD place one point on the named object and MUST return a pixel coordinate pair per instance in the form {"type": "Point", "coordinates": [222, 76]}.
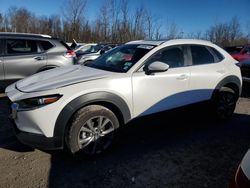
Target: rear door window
{"type": "Point", "coordinates": [201, 55]}
{"type": "Point", "coordinates": [21, 46]}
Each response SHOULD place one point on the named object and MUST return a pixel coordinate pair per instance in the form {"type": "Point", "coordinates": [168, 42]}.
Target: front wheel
{"type": "Point", "coordinates": [92, 130]}
{"type": "Point", "coordinates": [225, 103]}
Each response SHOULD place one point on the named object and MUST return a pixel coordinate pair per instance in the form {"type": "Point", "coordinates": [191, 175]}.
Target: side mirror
{"type": "Point", "coordinates": [156, 66]}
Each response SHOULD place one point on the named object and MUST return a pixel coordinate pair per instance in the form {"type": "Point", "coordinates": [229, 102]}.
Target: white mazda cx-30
{"type": "Point", "coordinates": [80, 107]}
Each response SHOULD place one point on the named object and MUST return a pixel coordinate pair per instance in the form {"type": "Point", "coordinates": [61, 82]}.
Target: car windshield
{"type": "Point", "coordinates": [122, 58]}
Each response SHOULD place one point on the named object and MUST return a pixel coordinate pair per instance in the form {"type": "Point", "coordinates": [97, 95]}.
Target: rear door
{"type": "Point", "coordinates": [23, 57]}
{"type": "Point", "coordinates": [207, 68]}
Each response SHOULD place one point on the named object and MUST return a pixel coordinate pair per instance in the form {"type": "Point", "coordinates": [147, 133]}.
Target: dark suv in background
{"type": "Point", "coordinates": [22, 55]}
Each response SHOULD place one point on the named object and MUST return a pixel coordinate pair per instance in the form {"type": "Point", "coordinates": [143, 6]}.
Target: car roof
{"type": "Point", "coordinates": [12, 34]}
{"type": "Point", "coordinates": [148, 42]}
{"type": "Point", "coordinates": [171, 42]}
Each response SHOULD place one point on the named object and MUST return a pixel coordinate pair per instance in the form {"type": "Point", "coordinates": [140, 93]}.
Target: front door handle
{"type": "Point", "coordinates": [39, 58]}
{"type": "Point", "coordinates": [182, 77]}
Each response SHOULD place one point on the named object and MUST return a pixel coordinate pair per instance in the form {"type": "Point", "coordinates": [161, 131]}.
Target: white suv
{"type": "Point", "coordinates": [80, 107]}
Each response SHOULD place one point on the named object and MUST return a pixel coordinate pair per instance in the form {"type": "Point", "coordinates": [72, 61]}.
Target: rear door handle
{"type": "Point", "coordinates": [182, 77]}
{"type": "Point", "coordinates": [39, 58]}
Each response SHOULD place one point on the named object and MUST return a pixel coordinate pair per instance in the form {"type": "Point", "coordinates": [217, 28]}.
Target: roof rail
{"type": "Point", "coordinates": [26, 34]}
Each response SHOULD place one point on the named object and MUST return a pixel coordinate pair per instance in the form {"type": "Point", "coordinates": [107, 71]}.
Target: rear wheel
{"type": "Point", "coordinates": [225, 103]}
{"type": "Point", "coordinates": [92, 130]}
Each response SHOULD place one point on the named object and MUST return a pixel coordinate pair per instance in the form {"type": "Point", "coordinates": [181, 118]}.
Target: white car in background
{"type": "Point", "coordinates": [81, 107]}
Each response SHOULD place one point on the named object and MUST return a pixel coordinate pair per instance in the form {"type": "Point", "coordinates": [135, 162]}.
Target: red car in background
{"type": "Point", "coordinates": [240, 53]}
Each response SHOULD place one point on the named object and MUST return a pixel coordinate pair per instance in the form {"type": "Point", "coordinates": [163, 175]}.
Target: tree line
{"type": "Point", "coordinates": [114, 22]}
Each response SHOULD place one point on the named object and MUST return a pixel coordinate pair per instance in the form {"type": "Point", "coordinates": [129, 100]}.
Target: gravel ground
{"type": "Point", "coordinates": [182, 148]}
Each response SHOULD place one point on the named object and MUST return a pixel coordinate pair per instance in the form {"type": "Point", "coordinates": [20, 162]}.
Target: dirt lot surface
{"type": "Point", "coordinates": [183, 148]}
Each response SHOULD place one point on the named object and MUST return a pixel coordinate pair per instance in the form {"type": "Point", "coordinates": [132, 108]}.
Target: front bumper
{"type": "Point", "coordinates": [37, 140]}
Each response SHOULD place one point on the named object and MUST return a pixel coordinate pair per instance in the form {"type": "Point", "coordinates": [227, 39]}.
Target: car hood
{"type": "Point", "coordinates": [60, 77]}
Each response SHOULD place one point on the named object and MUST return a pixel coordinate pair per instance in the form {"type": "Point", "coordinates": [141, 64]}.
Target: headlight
{"type": "Point", "coordinates": [37, 101]}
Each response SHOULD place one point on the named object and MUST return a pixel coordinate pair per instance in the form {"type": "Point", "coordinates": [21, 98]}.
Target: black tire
{"type": "Point", "coordinates": [45, 69]}
{"type": "Point", "coordinates": [86, 62]}
{"type": "Point", "coordinates": [92, 130]}
{"type": "Point", "coordinates": [224, 103]}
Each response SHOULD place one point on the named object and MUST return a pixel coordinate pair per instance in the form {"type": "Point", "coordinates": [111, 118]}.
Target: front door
{"type": "Point", "coordinates": [164, 90]}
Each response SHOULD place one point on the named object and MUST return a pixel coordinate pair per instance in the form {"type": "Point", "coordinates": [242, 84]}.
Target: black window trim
{"type": "Point", "coordinates": [217, 59]}
{"type": "Point", "coordinates": [20, 54]}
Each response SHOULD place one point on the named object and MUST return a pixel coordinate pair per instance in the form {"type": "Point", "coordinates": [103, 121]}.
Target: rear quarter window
{"type": "Point", "coordinates": [218, 55]}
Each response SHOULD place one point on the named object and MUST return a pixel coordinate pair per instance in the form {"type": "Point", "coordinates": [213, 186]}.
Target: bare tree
{"type": "Point", "coordinates": [173, 32]}
{"type": "Point", "coordinates": [73, 13]}
{"type": "Point", "coordinates": [227, 33]}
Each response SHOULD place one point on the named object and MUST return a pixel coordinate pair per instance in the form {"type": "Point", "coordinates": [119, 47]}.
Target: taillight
{"type": "Point", "coordinates": [70, 53]}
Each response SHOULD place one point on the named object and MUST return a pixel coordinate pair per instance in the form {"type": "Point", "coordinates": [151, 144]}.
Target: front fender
{"type": "Point", "coordinates": [84, 100]}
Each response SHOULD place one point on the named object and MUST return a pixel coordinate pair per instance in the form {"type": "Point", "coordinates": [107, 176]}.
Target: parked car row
{"type": "Point", "coordinates": [85, 105]}
{"type": "Point", "coordinates": [239, 53]}
{"type": "Point", "coordinates": [94, 52]}
{"type": "Point", "coordinates": [22, 55]}
{"type": "Point", "coordinates": [81, 107]}
{"type": "Point", "coordinates": [245, 70]}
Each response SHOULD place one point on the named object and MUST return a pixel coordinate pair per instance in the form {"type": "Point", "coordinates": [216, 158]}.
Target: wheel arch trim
{"type": "Point", "coordinates": [229, 80]}
{"type": "Point", "coordinates": [84, 100]}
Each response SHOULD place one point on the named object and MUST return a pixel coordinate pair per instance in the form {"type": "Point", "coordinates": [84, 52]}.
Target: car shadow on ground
{"type": "Point", "coordinates": [179, 148]}
{"type": "Point", "coordinates": [245, 90]}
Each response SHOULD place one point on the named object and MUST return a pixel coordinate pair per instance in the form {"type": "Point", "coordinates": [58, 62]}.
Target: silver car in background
{"type": "Point", "coordinates": [22, 55]}
{"type": "Point", "coordinates": [94, 52]}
